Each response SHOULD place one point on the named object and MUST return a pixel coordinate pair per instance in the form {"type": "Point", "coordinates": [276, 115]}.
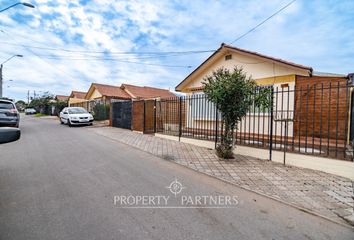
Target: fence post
{"type": "Point", "coordinates": [144, 117]}
{"type": "Point", "coordinates": [180, 119]}
{"type": "Point", "coordinates": [216, 126]}
{"type": "Point", "coordinates": [155, 116]}
{"type": "Point", "coordinates": [271, 125]}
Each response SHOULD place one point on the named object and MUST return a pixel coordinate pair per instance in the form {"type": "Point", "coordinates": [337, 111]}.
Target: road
{"type": "Point", "coordinates": [58, 182]}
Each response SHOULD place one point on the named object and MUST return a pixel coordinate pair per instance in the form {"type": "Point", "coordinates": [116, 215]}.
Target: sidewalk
{"type": "Point", "coordinates": [325, 194]}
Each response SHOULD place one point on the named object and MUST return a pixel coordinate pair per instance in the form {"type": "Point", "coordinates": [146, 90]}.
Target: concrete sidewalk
{"type": "Point", "coordinates": [325, 194]}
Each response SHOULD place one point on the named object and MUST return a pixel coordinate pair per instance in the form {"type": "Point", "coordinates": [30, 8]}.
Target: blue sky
{"type": "Point", "coordinates": [319, 34]}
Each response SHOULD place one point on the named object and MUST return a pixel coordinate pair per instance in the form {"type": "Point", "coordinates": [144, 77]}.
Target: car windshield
{"type": "Point", "coordinates": [76, 110]}
{"type": "Point", "coordinates": [6, 105]}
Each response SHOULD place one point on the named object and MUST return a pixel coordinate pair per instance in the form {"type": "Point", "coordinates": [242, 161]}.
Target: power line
{"type": "Point", "coordinates": [28, 48]}
{"type": "Point", "coordinates": [110, 52]}
{"type": "Point", "coordinates": [122, 61]}
{"type": "Point", "coordinates": [261, 23]}
{"type": "Point", "coordinates": [49, 64]}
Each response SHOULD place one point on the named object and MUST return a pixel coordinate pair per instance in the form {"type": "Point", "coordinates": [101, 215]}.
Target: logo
{"type": "Point", "coordinates": [175, 187]}
{"type": "Point", "coordinates": [180, 200]}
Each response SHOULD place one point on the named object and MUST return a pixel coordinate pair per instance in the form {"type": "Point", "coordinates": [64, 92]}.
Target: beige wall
{"type": "Point", "coordinates": [249, 124]}
{"type": "Point", "coordinates": [258, 68]}
{"type": "Point", "coordinates": [95, 94]}
{"type": "Point", "coordinates": [75, 100]}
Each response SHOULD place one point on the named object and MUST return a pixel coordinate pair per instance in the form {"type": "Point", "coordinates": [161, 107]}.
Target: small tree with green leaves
{"type": "Point", "coordinates": [233, 93]}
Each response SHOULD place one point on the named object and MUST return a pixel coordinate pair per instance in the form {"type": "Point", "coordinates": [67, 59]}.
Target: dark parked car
{"type": "Point", "coordinates": [9, 115]}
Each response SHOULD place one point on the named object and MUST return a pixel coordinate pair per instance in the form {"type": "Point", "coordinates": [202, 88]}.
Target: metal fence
{"type": "Point", "coordinates": [309, 119]}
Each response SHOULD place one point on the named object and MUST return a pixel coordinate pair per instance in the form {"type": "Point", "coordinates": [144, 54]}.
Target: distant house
{"type": "Point", "coordinates": [105, 94]}
{"type": "Point", "coordinates": [76, 97]}
{"type": "Point", "coordinates": [61, 98]}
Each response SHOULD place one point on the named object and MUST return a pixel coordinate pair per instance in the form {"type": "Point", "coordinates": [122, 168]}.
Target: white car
{"type": "Point", "coordinates": [29, 111]}
{"type": "Point", "coordinates": [75, 116]}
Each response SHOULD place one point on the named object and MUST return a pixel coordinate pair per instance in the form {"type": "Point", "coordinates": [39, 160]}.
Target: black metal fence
{"type": "Point", "coordinates": [309, 119]}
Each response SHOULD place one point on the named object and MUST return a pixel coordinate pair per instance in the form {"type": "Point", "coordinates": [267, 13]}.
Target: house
{"type": "Point", "coordinates": [137, 92]}
{"type": "Point", "coordinates": [106, 94]}
{"type": "Point", "coordinates": [315, 104]}
{"type": "Point", "coordinates": [76, 97]}
{"type": "Point", "coordinates": [61, 98]}
{"type": "Point", "coordinates": [265, 70]}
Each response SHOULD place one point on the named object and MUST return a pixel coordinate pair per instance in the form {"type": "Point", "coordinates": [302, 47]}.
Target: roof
{"type": "Point", "coordinates": [62, 98]}
{"type": "Point", "coordinates": [325, 74]}
{"type": "Point", "coordinates": [146, 92]}
{"type": "Point", "coordinates": [110, 91]}
{"type": "Point", "coordinates": [77, 94]}
{"type": "Point", "coordinates": [229, 47]}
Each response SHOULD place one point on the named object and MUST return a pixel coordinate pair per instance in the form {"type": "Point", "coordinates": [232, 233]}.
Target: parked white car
{"type": "Point", "coordinates": [75, 116]}
{"type": "Point", "coordinates": [29, 111]}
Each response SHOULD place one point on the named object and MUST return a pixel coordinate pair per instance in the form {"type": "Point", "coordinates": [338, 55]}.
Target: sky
{"type": "Point", "coordinates": [67, 45]}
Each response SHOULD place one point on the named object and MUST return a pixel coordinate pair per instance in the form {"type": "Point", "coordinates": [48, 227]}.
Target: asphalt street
{"type": "Point", "coordinates": [58, 182]}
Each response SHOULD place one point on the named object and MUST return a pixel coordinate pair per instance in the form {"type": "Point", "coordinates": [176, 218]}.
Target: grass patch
{"type": "Point", "coordinates": [40, 115]}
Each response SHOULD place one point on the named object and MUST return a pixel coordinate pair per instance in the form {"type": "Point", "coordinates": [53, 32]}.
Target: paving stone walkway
{"type": "Point", "coordinates": [325, 194]}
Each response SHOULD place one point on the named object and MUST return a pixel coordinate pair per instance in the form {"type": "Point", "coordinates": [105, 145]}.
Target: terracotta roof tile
{"type": "Point", "coordinates": [147, 92]}
{"type": "Point", "coordinates": [61, 98]}
{"type": "Point", "coordinates": [111, 91]}
{"type": "Point", "coordinates": [77, 94]}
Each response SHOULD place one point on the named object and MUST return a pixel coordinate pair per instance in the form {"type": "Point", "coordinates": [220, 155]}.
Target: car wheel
{"type": "Point", "coordinates": [61, 121]}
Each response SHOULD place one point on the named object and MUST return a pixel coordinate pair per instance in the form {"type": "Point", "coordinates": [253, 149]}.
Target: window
{"type": "Point", "coordinates": [228, 57]}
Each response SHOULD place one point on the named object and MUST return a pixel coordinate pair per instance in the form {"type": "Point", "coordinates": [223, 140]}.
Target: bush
{"type": "Point", "coordinates": [101, 112]}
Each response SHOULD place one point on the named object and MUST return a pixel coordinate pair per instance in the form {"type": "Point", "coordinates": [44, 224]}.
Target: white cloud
{"type": "Point", "coordinates": [313, 33]}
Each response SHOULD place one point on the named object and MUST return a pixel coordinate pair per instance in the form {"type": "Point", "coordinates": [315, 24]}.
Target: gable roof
{"type": "Point", "coordinates": [146, 92]}
{"type": "Point", "coordinates": [62, 98]}
{"type": "Point", "coordinates": [224, 47]}
{"type": "Point", "coordinates": [77, 94]}
{"type": "Point", "coordinates": [108, 91]}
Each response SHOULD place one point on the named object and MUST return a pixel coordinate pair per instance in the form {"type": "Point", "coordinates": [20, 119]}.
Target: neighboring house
{"type": "Point", "coordinates": [61, 98]}
{"type": "Point", "coordinates": [137, 92]}
{"type": "Point", "coordinates": [105, 93]}
{"type": "Point", "coordinates": [76, 97]}
{"type": "Point", "coordinates": [286, 79]}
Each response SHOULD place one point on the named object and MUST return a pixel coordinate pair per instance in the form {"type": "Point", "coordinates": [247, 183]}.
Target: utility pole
{"type": "Point", "coordinates": [28, 97]}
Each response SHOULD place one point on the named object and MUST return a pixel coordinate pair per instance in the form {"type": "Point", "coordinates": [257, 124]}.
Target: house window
{"type": "Point", "coordinates": [228, 57]}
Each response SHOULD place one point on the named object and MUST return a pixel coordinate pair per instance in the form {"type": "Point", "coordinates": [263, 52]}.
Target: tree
{"type": "Point", "coordinates": [42, 103]}
{"type": "Point", "coordinates": [21, 105]}
{"type": "Point", "coordinates": [233, 93]}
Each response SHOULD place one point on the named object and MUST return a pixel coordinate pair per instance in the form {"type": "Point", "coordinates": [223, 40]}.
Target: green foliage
{"type": "Point", "coordinates": [21, 105]}
{"type": "Point", "coordinates": [101, 111]}
{"type": "Point", "coordinates": [60, 105]}
{"type": "Point", "coordinates": [43, 103]}
{"type": "Point", "coordinates": [233, 93]}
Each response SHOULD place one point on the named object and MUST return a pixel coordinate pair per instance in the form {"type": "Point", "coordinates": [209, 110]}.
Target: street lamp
{"type": "Point", "coordinates": [19, 3]}
{"type": "Point", "coordinates": [1, 66]}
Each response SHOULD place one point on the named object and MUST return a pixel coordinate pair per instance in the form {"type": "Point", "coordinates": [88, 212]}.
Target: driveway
{"type": "Point", "coordinates": [58, 182]}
